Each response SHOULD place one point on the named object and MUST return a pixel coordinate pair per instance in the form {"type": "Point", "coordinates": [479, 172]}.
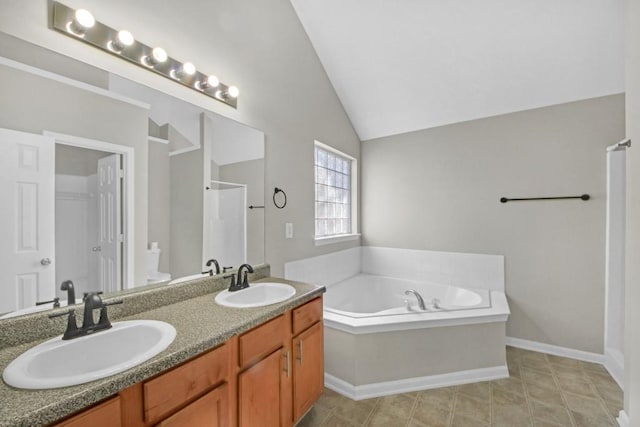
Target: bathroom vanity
{"type": "Point", "coordinates": [226, 367]}
{"type": "Point", "coordinates": [268, 376]}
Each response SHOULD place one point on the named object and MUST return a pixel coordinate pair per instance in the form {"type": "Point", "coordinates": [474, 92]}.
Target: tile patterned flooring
{"type": "Point", "coordinates": [542, 391]}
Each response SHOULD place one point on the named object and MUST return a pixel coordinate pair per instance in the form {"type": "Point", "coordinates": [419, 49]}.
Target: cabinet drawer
{"type": "Point", "coordinates": [306, 315]}
{"type": "Point", "coordinates": [106, 414]}
{"type": "Point", "coordinates": [169, 391]}
{"type": "Point", "coordinates": [261, 341]}
{"type": "Point", "coordinates": [210, 410]}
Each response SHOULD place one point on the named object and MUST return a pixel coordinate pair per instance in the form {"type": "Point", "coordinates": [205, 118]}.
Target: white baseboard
{"type": "Point", "coordinates": [623, 419]}
{"type": "Point", "coordinates": [614, 363]}
{"type": "Point", "coordinates": [556, 350]}
{"type": "Point", "coordinates": [386, 388]}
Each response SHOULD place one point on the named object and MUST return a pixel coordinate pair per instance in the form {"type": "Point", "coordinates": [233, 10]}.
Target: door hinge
{"type": "Point", "coordinates": [121, 173]}
{"type": "Point", "coordinates": [120, 237]}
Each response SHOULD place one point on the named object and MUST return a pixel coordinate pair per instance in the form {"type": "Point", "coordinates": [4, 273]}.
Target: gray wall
{"type": "Point", "coordinates": [159, 222]}
{"type": "Point", "coordinates": [439, 189]}
{"type": "Point", "coordinates": [32, 104]}
{"type": "Point", "coordinates": [632, 288]}
{"type": "Point", "coordinates": [259, 46]}
{"type": "Point", "coordinates": [187, 176]}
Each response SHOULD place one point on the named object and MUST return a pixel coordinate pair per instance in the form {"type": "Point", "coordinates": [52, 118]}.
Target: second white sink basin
{"type": "Point", "coordinates": [57, 363]}
{"type": "Point", "coordinates": [256, 295]}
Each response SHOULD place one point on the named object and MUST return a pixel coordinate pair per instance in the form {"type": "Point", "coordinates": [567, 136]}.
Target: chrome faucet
{"type": "Point", "coordinates": [421, 303]}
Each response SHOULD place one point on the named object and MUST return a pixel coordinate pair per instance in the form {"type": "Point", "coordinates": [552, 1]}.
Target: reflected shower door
{"type": "Point", "coordinates": [226, 237]}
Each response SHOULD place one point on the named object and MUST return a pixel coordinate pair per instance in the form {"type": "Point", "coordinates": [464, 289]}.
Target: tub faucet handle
{"type": "Point", "coordinates": [435, 303]}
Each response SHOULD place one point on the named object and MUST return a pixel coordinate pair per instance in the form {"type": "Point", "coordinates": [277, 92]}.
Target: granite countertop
{"type": "Point", "coordinates": [200, 323]}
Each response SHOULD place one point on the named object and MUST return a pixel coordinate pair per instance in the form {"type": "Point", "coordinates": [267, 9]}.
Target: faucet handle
{"type": "Point", "coordinates": [232, 287]}
{"type": "Point", "coordinates": [72, 326]}
{"type": "Point", "coordinates": [106, 304]}
{"type": "Point", "coordinates": [64, 313]}
{"type": "Point", "coordinates": [55, 301]}
{"type": "Point", "coordinates": [104, 322]}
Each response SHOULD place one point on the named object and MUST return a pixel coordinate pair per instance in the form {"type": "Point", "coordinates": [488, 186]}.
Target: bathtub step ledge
{"type": "Point", "coordinates": [367, 391]}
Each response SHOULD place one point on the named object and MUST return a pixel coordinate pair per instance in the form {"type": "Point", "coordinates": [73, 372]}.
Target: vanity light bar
{"type": "Point", "coordinates": [80, 25]}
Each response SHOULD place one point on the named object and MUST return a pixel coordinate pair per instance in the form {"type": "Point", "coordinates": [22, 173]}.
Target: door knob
{"type": "Point", "coordinates": [96, 249]}
{"type": "Point", "coordinates": [45, 261]}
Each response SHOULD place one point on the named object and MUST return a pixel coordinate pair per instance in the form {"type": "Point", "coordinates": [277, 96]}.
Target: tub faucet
{"type": "Point", "coordinates": [421, 303]}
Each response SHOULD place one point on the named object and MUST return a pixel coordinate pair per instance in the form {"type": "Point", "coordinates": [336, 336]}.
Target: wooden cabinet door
{"type": "Point", "coordinates": [106, 414]}
{"type": "Point", "coordinates": [308, 369]}
{"type": "Point", "coordinates": [258, 393]}
{"type": "Point", "coordinates": [211, 410]}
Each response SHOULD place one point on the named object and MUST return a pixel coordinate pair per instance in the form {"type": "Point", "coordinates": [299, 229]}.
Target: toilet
{"type": "Point", "coordinates": [153, 260]}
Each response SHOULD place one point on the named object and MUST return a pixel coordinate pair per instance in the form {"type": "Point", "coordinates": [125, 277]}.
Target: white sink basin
{"type": "Point", "coordinates": [57, 363]}
{"type": "Point", "coordinates": [256, 295]}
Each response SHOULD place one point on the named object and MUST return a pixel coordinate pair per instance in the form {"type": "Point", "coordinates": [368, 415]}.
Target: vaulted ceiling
{"type": "Point", "coordinates": [405, 65]}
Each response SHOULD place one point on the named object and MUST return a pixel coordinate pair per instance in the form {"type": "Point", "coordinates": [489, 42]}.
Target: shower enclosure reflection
{"type": "Point", "coordinates": [226, 224]}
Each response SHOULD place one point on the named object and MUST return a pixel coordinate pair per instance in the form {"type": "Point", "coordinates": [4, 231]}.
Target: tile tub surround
{"type": "Point", "coordinates": [543, 390]}
{"type": "Point", "coordinates": [200, 324]}
{"type": "Point", "coordinates": [448, 268]}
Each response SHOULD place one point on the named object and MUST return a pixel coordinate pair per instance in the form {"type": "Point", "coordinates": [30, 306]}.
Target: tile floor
{"type": "Point", "coordinates": [543, 391]}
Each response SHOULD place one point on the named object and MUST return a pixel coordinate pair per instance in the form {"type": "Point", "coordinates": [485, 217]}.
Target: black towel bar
{"type": "Point", "coordinates": [584, 197]}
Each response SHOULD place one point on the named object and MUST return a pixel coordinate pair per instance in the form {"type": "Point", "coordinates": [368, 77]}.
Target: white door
{"type": "Point", "coordinates": [27, 219]}
{"type": "Point", "coordinates": [110, 222]}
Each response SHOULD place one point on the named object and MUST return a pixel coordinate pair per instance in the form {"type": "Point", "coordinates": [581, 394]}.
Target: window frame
{"type": "Point", "coordinates": [353, 189]}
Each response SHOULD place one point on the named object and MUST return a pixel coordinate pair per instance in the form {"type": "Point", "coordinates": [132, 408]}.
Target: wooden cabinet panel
{"type": "Point", "coordinates": [261, 341]}
{"type": "Point", "coordinates": [167, 392]}
{"type": "Point", "coordinates": [106, 414]}
{"type": "Point", "coordinates": [308, 369]}
{"type": "Point", "coordinates": [259, 393]}
{"type": "Point", "coordinates": [211, 410]}
{"type": "Point", "coordinates": [306, 315]}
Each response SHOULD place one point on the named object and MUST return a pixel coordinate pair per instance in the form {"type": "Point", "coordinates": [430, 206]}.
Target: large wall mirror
{"type": "Point", "coordinates": [114, 185]}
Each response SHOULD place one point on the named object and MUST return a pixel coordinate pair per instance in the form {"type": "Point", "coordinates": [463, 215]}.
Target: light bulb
{"type": "Point", "coordinates": [159, 54]}
{"type": "Point", "coordinates": [123, 39]}
{"type": "Point", "coordinates": [82, 20]}
{"type": "Point", "coordinates": [233, 91]}
{"type": "Point", "coordinates": [210, 81]}
{"type": "Point", "coordinates": [188, 68]}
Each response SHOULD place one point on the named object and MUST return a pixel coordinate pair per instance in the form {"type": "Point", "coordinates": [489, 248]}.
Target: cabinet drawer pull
{"type": "Point", "coordinates": [287, 367]}
{"type": "Point", "coordinates": [300, 351]}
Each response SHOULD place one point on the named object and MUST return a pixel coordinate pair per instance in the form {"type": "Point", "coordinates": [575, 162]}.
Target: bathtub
{"type": "Point", "coordinates": [367, 303]}
{"type": "Point", "coordinates": [368, 295]}
{"type": "Point", "coordinates": [379, 342]}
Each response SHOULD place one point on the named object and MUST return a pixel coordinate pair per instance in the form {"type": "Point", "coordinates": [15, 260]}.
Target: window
{"type": "Point", "coordinates": [335, 192]}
